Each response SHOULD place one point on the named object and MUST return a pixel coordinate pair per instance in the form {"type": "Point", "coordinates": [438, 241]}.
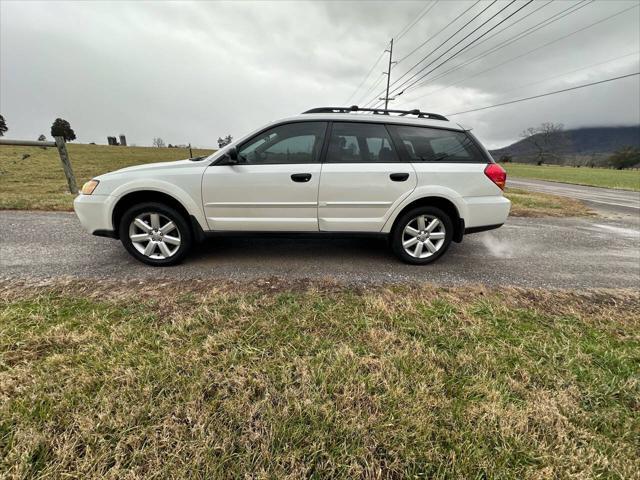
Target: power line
{"type": "Point", "coordinates": [513, 24]}
{"type": "Point", "coordinates": [408, 86]}
{"type": "Point", "coordinates": [437, 33]}
{"type": "Point", "coordinates": [539, 47]}
{"type": "Point", "coordinates": [406, 29]}
{"type": "Point", "coordinates": [510, 41]}
{"type": "Point", "coordinates": [366, 77]}
{"type": "Point", "coordinates": [371, 88]}
{"type": "Point", "coordinates": [544, 94]}
{"type": "Point", "coordinates": [449, 38]}
{"type": "Point", "coordinates": [564, 74]}
{"type": "Point", "coordinates": [403, 32]}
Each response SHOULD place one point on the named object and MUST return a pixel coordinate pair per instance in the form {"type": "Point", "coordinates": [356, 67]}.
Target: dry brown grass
{"type": "Point", "coordinates": [288, 380]}
{"type": "Point", "coordinates": [536, 204]}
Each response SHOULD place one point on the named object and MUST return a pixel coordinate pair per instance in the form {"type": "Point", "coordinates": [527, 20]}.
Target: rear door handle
{"type": "Point", "coordinates": [301, 177]}
{"type": "Point", "coordinates": [399, 177]}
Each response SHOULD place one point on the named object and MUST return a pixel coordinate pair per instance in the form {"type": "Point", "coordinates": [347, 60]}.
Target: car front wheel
{"type": "Point", "coordinates": [422, 235]}
{"type": "Point", "coordinates": [155, 234]}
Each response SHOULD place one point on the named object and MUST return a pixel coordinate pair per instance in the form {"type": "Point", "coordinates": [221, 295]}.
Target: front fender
{"type": "Point", "coordinates": [424, 192]}
{"type": "Point", "coordinates": [187, 200]}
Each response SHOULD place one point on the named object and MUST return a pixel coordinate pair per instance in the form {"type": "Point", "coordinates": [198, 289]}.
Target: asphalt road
{"type": "Point", "coordinates": [557, 253]}
{"type": "Point", "coordinates": [603, 199]}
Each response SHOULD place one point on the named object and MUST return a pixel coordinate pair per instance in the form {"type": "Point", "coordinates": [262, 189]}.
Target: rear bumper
{"type": "Point", "coordinates": [484, 228]}
{"type": "Point", "coordinates": [486, 211]}
{"type": "Point", "coordinates": [94, 213]}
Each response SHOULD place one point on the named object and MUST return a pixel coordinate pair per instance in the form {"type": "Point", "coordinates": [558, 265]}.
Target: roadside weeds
{"type": "Point", "coordinates": [296, 379]}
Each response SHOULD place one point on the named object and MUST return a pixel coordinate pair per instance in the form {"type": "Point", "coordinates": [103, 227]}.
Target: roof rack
{"type": "Point", "coordinates": [378, 111]}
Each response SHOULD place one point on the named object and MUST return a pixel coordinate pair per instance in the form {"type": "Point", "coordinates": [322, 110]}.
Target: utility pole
{"type": "Point", "coordinates": [388, 74]}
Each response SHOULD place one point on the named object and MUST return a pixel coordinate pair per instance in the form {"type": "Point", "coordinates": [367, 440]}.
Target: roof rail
{"type": "Point", "coordinates": [378, 111]}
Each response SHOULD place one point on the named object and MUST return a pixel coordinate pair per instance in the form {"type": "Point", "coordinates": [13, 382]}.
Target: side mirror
{"type": "Point", "coordinates": [231, 157]}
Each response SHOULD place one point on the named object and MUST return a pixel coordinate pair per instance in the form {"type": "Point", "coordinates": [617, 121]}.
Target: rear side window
{"type": "Point", "coordinates": [424, 144]}
{"type": "Point", "coordinates": [360, 143]}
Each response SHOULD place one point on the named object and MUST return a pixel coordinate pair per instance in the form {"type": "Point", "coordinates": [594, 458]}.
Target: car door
{"type": "Point", "coordinates": [274, 186]}
{"type": "Point", "coordinates": [362, 180]}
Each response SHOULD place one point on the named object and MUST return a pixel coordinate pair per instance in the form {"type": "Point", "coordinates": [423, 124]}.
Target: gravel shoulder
{"type": "Point", "coordinates": [606, 200]}
{"type": "Point", "coordinates": [527, 252]}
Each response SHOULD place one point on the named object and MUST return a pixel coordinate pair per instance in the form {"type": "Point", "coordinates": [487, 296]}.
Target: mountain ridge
{"type": "Point", "coordinates": [582, 141]}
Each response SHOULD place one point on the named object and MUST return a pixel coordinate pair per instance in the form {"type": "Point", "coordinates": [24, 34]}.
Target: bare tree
{"type": "Point", "coordinates": [547, 140]}
{"type": "Point", "coordinates": [158, 142]}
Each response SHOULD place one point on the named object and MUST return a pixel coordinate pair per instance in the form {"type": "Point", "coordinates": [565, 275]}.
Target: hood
{"type": "Point", "coordinates": [155, 166]}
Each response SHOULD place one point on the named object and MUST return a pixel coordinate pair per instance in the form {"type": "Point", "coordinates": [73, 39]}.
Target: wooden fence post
{"type": "Point", "coordinates": [66, 164]}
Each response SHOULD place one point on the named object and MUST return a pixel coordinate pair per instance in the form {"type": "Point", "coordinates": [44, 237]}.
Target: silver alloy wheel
{"type": "Point", "coordinates": [154, 235]}
{"type": "Point", "coordinates": [423, 236]}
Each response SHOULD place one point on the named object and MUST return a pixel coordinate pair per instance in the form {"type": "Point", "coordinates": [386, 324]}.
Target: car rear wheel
{"type": "Point", "coordinates": [155, 234]}
{"type": "Point", "coordinates": [422, 235]}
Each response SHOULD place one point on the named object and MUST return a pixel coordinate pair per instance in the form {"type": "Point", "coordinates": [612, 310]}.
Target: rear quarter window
{"type": "Point", "coordinates": [424, 144]}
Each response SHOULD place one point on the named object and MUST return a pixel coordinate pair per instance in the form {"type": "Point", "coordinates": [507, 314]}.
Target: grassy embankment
{"type": "Point", "coordinates": [595, 177]}
{"type": "Point", "coordinates": [201, 380]}
{"type": "Point", "coordinates": [38, 183]}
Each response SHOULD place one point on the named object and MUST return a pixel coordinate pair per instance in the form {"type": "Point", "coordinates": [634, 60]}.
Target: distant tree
{"type": "Point", "coordinates": [505, 159]}
{"type": "Point", "coordinates": [61, 128]}
{"type": "Point", "coordinates": [547, 140]}
{"type": "Point", "coordinates": [42, 138]}
{"type": "Point", "coordinates": [3, 126]}
{"type": "Point", "coordinates": [169, 146]}
{"type": "Point", "coordinates": [625, 157]}
{"type": "Point", "coordinates": [224, 141]}
{"type": "Point", "coordinates": [158, 142]}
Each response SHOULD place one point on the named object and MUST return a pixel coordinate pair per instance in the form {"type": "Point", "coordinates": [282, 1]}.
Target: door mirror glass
{"type": "Point", "coordinates": [230, 157]}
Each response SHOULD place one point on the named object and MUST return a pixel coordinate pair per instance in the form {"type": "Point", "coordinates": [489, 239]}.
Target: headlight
{"type": "Point", "coordinates": [89, 187]}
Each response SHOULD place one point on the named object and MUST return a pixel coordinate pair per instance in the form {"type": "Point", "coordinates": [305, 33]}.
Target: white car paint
{"type": "Point", "coordinates": [353, 199]}
{"type": "Point", "coordinates": [261, 198]}
{"type": "Point", "coordinates": [345, 197]}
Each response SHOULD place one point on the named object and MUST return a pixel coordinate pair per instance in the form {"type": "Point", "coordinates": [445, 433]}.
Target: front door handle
{"type": "Point", "coordinates": [301, 177]}
{"type": "Point", "coordinates": [399, 177]}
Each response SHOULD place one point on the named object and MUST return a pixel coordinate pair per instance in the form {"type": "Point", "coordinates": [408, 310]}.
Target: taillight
{"type": "Point", "coordinates": [496, 174]}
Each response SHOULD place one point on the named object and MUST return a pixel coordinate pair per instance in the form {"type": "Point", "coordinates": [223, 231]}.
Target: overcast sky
{"type": "Point", "coordinates": [191, 72]}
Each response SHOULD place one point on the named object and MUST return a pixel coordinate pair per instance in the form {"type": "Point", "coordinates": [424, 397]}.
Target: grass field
{"type": "Point", "coordinates": [201, 380]}
{"type": "Point", "coordinates": [38, 182]}
{"type": "Point", "coordinates": [596, 177]}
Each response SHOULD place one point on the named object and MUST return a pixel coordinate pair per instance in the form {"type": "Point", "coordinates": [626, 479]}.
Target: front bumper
{"type": "Point", "coordinates": [94, 213]}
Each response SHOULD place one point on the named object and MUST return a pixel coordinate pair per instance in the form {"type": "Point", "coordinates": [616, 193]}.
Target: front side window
{"type": "Point", "coordinates": [360, 143]}
{"type": "Point", "coordinates": [433, 144]}
{"type": "Point", "coordinates": [290, 143]}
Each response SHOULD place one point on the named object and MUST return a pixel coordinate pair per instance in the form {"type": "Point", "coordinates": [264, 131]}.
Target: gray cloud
{"type": "Point", "coordinates": [190, 72]}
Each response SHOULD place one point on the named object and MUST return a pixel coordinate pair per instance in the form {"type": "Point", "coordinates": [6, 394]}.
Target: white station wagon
{"type": "Point", "coordinates": [413, 176]}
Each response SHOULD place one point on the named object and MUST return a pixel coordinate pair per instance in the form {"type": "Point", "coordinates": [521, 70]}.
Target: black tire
{"type": "Point", "coordinates": [398, 233]}
{"type": "Point", "coordinates": [185, 235]}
